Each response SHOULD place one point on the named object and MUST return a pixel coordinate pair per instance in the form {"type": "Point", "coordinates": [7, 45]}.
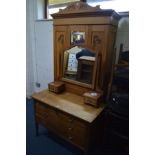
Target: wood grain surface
{"type": "Point", "coordinates": [70, 103]}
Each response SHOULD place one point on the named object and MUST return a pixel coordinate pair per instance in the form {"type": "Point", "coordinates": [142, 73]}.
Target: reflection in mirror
{"type": "Point", "coordinates": [77, 38]}
{"type": "Point", "coordinates": [79, 64]}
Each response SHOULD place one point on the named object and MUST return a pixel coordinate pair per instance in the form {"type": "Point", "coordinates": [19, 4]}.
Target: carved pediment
{"type": "Point", "coordinates": [78, 7]}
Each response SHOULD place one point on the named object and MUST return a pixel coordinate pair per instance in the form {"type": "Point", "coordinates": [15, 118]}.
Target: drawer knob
{"type": "Point", "coordinates": [71, 120]}
{"type": "Point", "coordinates": [70, 128]}
{"type": "Point", "coordinates": [70, 137]}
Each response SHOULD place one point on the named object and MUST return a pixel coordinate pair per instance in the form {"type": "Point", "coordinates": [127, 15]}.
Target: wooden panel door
{"type": "Point", "coordinates": [61, 43]}
{"type": "Point", "coordinates": [102, 39]}
{"type": "Point", "coordinates": [98, 41]}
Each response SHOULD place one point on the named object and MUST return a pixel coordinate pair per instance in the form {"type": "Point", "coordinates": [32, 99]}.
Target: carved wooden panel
{"type": "Point", "coordinates": [79, 7]}
{"type": "Point", "coordinates": [97, 42]}
{"type": "Point", "coordinates": [60, 46]}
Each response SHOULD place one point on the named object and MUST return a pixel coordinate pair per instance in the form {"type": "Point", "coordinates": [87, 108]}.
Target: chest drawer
{"type": "Point", "coordinates": [41, 113]}
{"type": "Point", "coordinates": [47, 116]}
{"type": "Point", "coordinates": [69, 127]}
{"type": "Point", "coordinates": [73, 129]}
{"type": "Point", "coordinates": [72, 122]}
{"type": "Point", "coordinates": [41, 108]}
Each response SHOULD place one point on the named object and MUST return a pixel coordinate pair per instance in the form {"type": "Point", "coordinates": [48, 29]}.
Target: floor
{"type": "Point", "coordinates": [49, 144]}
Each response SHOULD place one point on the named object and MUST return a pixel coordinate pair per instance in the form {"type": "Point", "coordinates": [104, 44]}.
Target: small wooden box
{"type": "Point", "coordinates": [94, 98]}
{"type": "Point", "coordinates": [56, 86]}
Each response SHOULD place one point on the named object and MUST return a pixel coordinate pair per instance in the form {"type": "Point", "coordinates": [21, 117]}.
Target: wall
{"type": "Point", "coordinates": [29, 48]}
{"type": "Point", "coordinates": [39, 52]}
{"type": "Point", "coordinates": [44, 53]}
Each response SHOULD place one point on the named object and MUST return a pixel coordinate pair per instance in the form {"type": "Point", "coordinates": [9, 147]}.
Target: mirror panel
{"type": "Point", "coordinates": [79, 65]}
{"type": "Point", "coordinates": [77, 38]}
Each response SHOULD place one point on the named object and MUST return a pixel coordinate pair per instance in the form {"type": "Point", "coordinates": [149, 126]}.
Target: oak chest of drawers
{"type": "Point", "coordinates": [67, 116]}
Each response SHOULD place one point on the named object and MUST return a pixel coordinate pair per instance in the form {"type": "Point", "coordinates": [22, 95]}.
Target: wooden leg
{"type": "Point", "coordinates": [36, 123]}
{"type": "Point", "coordinates": [37, 128]}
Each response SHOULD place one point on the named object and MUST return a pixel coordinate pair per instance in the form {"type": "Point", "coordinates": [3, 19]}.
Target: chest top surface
{"type": "Point", "coordinates": [69, 103]}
